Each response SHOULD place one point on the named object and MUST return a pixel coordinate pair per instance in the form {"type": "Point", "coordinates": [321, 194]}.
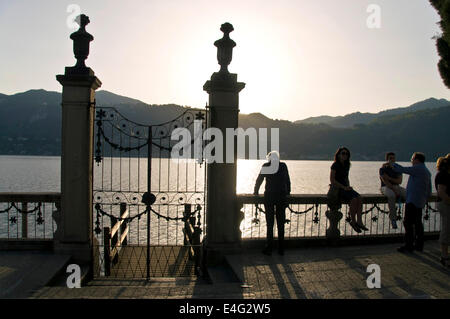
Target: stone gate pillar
{"type": "Point", "coordinates": [222, 213]}
{"type": "Point", "coordinates": [74, 233]}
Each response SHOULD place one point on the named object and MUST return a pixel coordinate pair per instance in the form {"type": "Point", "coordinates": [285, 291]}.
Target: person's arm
{"type": "Point", "coordinates": [400, 169]}
{"type": "Point", "coordinates": [396, 181]}
{"type": "Point", "coordinates": [288, 181]}
{"type": "Point", "coordinates": [442, 193]}
{"type": "Point", "coordinates": [258, 183]}
{"type": "Point", "coordinates": [386, 180]}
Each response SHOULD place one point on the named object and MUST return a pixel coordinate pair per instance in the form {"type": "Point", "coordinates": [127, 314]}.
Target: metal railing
{"type": "Point", "coordinates": [306, 217]}
{"type": "Point", "coordinates": [122, 253]}
{"type": "Point", "coordinates": [28, 215]}
{"type": "Point", "coordinates": [32, 216]}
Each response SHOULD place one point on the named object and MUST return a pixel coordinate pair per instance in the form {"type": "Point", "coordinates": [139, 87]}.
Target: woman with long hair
{"type": "Point", "coordinates": [339, 179]}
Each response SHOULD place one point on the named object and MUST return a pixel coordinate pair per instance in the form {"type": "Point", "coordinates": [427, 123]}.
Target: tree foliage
{"type": "Point", "coordinates": [443, 41]}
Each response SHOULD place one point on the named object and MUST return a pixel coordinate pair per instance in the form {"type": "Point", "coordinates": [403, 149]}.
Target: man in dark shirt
{"type": "Point", "coordinates": [278, 187]}
{"type": "Point", "coordinates": [390, 187]}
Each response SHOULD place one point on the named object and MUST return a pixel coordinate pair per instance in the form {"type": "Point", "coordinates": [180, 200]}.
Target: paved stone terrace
{"type": "Point", "coordinates": [307, 273]}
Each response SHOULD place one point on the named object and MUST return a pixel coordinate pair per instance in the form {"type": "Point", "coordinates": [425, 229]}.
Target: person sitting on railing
{"type": "Point", "coordinates": [390, 187]}
{"type": "Point", "coordinates": [339, 179]}
{"type": "Point", "coordinates": [442, 183]}
{"type": "Point", "coordinates": [278, 187]}
{"type": "Point", "coordinates": [418, 190]}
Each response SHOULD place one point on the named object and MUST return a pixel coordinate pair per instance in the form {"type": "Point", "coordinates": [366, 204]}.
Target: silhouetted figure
{"type": "Point", "coordinates": [339, 178]}
{"type": "Point", "coordinates": [418, 190]}
{"type": "Point", "coordinates": [278, 187]}
{"type": "Point", "coordinates": [390, 187]}
{"type": "Point", "coordinates": [442, 183]}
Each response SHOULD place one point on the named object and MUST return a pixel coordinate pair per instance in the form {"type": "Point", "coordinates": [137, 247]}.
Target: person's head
{"type": "Point", "coordinates": [342, 155]}
{"type": "Point", "coordinates": [273, 156]}
{"type": "Point", "coordinates": [273, 159]}
{"type": "Point", "coordinates": [390, 157]}
{"type": "Point", "coordinates": [418, 158]}
{"type": "Point", "coordinates": [442, 164]}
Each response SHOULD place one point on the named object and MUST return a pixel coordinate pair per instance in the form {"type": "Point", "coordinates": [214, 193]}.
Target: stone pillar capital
{"type": "Point", "coordinates": [223, 82]}
{"type": "Point", "coordinates": [80, 80]}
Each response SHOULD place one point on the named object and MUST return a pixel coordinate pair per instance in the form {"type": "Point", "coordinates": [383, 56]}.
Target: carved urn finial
{"type": "Point", "coordinates": [225, 47]}
{"type": "Point", "coordinates": [81, 40]}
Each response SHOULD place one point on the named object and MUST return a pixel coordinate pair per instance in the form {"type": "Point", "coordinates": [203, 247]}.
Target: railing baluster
{"type": "Point", "coordinates": [17, 226]}
{"type": "Point", "coordinates": [43, 224]}
{"type": "Point", "coordinates": [24, 220]}
{"type": "Point", "coordinates": [305, 219]}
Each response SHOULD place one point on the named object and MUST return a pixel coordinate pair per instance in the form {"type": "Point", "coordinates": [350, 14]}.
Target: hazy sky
{"type": "Point", "coordinates": [298, 58]}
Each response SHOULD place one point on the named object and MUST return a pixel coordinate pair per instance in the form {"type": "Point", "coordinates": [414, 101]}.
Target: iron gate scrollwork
{"type": "Point", "coordinates": [148, 212]}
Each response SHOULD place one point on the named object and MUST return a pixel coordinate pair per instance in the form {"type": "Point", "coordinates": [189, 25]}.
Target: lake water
{"type": "Point", "coordinates": [171, 179]}
{"type": "Point", "coordinates": [42, 174]}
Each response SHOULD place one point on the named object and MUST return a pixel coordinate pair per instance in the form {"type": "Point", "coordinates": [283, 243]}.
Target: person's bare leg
{"type": "Point", "coordinates": [359, 214]}
{"type": "Point", "coordinates": [359, 210]}
{"type": "Point", "coordinates": [353, 209]}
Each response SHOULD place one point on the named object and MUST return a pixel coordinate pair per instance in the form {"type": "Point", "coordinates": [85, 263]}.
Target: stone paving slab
{"type": "Point", "coordinates": [342, 273]}
{"type": "Point", "coordinates": [21, 272]}
{"type": "Point", "coordinates": [307, 273]}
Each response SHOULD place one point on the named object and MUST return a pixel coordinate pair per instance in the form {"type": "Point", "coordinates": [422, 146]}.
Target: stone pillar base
{"type": "Point", "coordinates": [81, 252]}
{"type": "Point", "coordinates": [215, 254]}
{"type": "Point", "coordinates": [333, 234]}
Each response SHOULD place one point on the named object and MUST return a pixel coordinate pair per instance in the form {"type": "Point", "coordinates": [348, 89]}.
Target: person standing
{"type": "Point", "coordinates": [418, 190]}
{"type": "Point", "coordinates": [442, 183]}
{"type": "Point", "coordinates": [277, 188]}
{"type": "Point", "coordinates": [339, 178]}
{"type": "Point", "coordinates": [390, 187]}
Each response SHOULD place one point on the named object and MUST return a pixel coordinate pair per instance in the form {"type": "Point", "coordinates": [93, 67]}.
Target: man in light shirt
{"type": "Point", "coordinates": [418, 190]}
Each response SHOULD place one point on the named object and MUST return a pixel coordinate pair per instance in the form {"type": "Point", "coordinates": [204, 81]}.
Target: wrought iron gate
{"type": "Point", "coordinates": [148, 211]}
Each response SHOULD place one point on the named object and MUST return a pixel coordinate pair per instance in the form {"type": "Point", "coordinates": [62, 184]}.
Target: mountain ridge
{"type": "Point", "coordinates": [351, 119]}
{"type": "Point", "coordinates": [30, 124]}
{"type": "Point", "coordinates": [107, 98]}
